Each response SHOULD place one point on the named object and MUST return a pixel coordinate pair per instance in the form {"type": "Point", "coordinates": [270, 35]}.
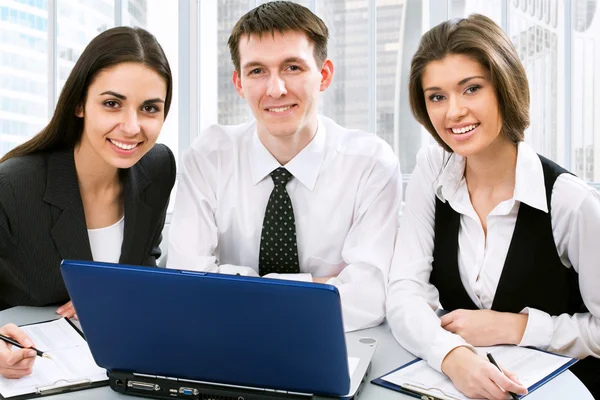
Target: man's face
{"type": "Point", "coordinates": [280, 79]}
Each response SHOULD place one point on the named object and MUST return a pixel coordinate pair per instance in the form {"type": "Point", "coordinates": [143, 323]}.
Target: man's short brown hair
{"type": "Point", "coordinates": [280, 17]}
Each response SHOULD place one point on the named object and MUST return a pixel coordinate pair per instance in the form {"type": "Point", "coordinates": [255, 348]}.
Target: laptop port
{"type": "Point", "coordinates": [143, 386]}
{"type": "Point", "coordinates": [119, 382]}
{"type": "Point", "coordinates": [188, 391]}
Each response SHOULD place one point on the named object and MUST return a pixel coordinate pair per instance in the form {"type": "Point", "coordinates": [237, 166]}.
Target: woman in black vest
{"type": "Point", "coordinates": [92, 184]}
{"type": "Point", "coordinates": [502, 238]}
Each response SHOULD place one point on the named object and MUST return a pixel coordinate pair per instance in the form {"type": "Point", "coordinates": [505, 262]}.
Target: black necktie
{"type": "Point", "coordinates": [278, 249]}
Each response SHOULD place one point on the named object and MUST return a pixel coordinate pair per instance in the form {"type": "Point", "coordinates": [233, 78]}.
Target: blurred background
{"type": "Point", "coordinates": [371, 44]}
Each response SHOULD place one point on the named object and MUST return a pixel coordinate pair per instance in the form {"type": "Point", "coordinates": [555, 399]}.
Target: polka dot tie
{"type": "Point", "coordinates": [278, 249]}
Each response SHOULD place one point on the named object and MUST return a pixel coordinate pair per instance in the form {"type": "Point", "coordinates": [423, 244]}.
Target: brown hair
{"type": "Point", "coordinates": [111, 47]}
{"type": "Point", "coordinates": [281, 17]}
{"type": "Point", "coordinates": [484, 41]}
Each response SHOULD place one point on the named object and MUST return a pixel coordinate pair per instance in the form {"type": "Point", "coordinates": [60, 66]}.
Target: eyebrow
{"type": "Point", "coordinates": [460, 83]}
{"type": "Point", "coordinates": [123, 97]}
{"type": "Point", "coordinates": [253, 64]}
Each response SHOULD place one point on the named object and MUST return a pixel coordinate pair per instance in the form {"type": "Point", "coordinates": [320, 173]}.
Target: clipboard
{"type": "Point", "coordinates": [419, 392]}
{"type": "Point", "coordinates": [425, 392]}
{"type": "Point", "coordinates": [58, 386]}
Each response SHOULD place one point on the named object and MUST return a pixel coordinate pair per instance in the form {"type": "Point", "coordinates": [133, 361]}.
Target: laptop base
{"type": "Point", "coordinates": [166, 388]}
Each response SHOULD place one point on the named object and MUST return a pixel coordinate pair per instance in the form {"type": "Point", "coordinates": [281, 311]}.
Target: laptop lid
{"type": "Point", "coordinates": [227, 329]}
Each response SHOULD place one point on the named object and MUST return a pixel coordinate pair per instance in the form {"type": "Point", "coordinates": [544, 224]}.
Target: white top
{"type": "Point", "coordinates": [575, 226]}
{"type": "Point", "coordinates": [345, 193]}
{"type": "Point", "coordinates": [106, 242]}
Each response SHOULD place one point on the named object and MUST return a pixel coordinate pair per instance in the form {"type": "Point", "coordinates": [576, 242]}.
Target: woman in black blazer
{"type": "Point", "coordinates": [92, 185]}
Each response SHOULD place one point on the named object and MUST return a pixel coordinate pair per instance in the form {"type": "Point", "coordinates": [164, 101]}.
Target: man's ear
{"type": "Point", "coordinates": [237, 82]}
{"type": "Point", "coordinates": [326, 74]}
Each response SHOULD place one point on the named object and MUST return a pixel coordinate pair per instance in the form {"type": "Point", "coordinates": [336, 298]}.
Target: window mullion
{"type": "Point", "coordinates": [567, 32]}
{"type": "Point", "coordinates": [372, 72]}
{"type": "Point", "coordinates": [52, 56]}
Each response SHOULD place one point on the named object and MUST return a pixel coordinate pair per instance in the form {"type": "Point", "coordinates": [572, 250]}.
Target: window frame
{"type": "Point", "coordinates": [198, 64]}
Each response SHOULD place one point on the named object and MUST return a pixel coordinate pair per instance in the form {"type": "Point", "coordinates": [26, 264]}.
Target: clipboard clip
{"type": "Point", "coordinates": [68, 385]}
{"type": "Point", "coordinates": [423, 392]}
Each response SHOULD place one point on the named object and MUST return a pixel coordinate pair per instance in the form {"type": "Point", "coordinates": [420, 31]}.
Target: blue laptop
{"type": "Point", "coordinates": [164, 333]}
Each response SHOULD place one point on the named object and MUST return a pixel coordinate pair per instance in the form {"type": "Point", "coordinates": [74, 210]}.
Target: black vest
{"type": "Point", "coordinates": [532, 276]}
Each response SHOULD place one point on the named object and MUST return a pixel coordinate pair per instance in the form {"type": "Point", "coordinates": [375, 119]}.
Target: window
{"type": "Point", "coordinates": [23, 71]}
{"type": "Point", "coordinates": [160, 18]}
{"type": "Point", "coordinates": [371, 45]}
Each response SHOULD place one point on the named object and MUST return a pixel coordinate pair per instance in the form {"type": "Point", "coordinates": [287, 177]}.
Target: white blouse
{"type": "Point", "coordinates": [106, 242]}
{"type": "Point", "coordinates": [575, 226]}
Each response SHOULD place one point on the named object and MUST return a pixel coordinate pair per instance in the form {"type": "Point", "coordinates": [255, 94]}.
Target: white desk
{"type": "Point", "coordinates": [389, 355]}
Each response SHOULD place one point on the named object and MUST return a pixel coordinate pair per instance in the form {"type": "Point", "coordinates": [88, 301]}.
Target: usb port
{"type": "Point", "coordinates": [188, 391]}
{"type": "Point", "coordinates": [143, 385]}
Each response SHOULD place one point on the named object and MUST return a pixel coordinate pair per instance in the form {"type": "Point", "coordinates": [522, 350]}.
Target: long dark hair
{"type": "Point", "coordinates": [111, 47]}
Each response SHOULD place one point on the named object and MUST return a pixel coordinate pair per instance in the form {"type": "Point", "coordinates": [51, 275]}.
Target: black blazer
{"type": "Point", "coordinates": [42, 221]}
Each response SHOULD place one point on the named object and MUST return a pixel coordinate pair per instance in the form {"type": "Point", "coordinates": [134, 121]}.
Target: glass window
{"type": "Point", "coordinates": [23, 73]}
{"type": "Point", "coordinates": [346, 100]}
{"type": "Point", "coordinates": [540, 45]}
{"type": "Point", "coordinates": [78, 22]}
{"type": "Point", "coordinates": [232, 107]}
{"type": "Point", "coordinates": [161, 19]}
{"type": "Point", "coordinates": [489, 8]}
{"type": "Point", "coordinates": [398, 33]}
{"type": "Point", "coordinates": [585, 101]}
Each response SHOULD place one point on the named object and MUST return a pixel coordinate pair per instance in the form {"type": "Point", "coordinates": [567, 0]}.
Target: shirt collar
{"type": "Point", "coordinates": [305, 166]}
{"type": "Point", "coordinates": [529, 178]}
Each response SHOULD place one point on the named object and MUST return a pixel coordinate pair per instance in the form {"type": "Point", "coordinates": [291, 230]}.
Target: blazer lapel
{"type": "Point", "coordinates": [138, 216]}
{"type": "Point", "coordinates": [62, 191]}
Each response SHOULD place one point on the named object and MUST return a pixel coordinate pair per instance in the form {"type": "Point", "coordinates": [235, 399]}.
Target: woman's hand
{"type": "Point", "coordinates": [486, 327]}
{"type": "Point", "coordinates": [18, 362]}
{"type": "Point", "coordinates": [478, 378]}
{"type": "Point", "coordinates": [67, 311]}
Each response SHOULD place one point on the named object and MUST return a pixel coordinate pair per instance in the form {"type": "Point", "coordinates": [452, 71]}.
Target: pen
{"type": "Point", "coordinates": [19, 345]}
{"type": "Point", "coordinates": [491, 358]}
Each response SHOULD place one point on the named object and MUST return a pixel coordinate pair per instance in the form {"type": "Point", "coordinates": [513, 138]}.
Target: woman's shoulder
{"type": "Point", "coordinates": [571, 192]}
{"type": "Point", "coordinates": [159, 163]}
{"type": "Point", "coordinates": [17, 167]}
{"type": "Point", "coordinates": [30, 169]}
{"type": "Point", "coordinates": [433, 159]}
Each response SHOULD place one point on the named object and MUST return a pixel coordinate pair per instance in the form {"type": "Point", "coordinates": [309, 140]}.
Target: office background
{"type": "Point", "coordinates": [371, 43]}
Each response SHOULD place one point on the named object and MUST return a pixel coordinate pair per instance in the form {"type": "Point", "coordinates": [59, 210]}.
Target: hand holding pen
{"type": "Point", "coordinates": [16, 363]}
{"type": "Point", "coordinates": [491, 358]}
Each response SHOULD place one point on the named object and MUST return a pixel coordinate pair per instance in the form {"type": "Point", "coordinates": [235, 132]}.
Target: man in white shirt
{"type": "Point", "coordinates": [290, 195]}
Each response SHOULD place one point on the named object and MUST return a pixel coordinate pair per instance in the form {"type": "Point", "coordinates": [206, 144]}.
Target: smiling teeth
{"type": "Point", "coordinates": [464, 129]}
{"type": "Point", "coordinates": [123, 145]}
{"type": "Point", "coordinates": [280, 109]}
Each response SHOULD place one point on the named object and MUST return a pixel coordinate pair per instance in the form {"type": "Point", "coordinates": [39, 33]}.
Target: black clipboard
{"type": "Point", "coordinates": [70, 386]}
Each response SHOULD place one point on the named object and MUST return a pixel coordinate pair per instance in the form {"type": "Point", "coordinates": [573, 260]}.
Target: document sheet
{"type": "Point", "coordinates": [71, 363]}
{"type": "Point", "coordinates": [531, 366]}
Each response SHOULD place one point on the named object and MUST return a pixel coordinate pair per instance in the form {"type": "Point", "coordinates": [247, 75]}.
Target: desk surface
{"type": "Point", "coordinates": [389, 355]}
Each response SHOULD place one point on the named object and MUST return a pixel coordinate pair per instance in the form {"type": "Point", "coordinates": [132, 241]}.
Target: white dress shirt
{"type": "Point", "coordinates": [345, 193]}
{"type": "Point", "coordinates": [575, 227]}
{"type": "Point", "coordinates": [106, 243]}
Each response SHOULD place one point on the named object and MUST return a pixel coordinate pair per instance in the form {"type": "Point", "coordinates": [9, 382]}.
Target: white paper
{"type": "Point", "coordinates": [530, 366]}
{"type": "Point", "coordinates": [71, 362]}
